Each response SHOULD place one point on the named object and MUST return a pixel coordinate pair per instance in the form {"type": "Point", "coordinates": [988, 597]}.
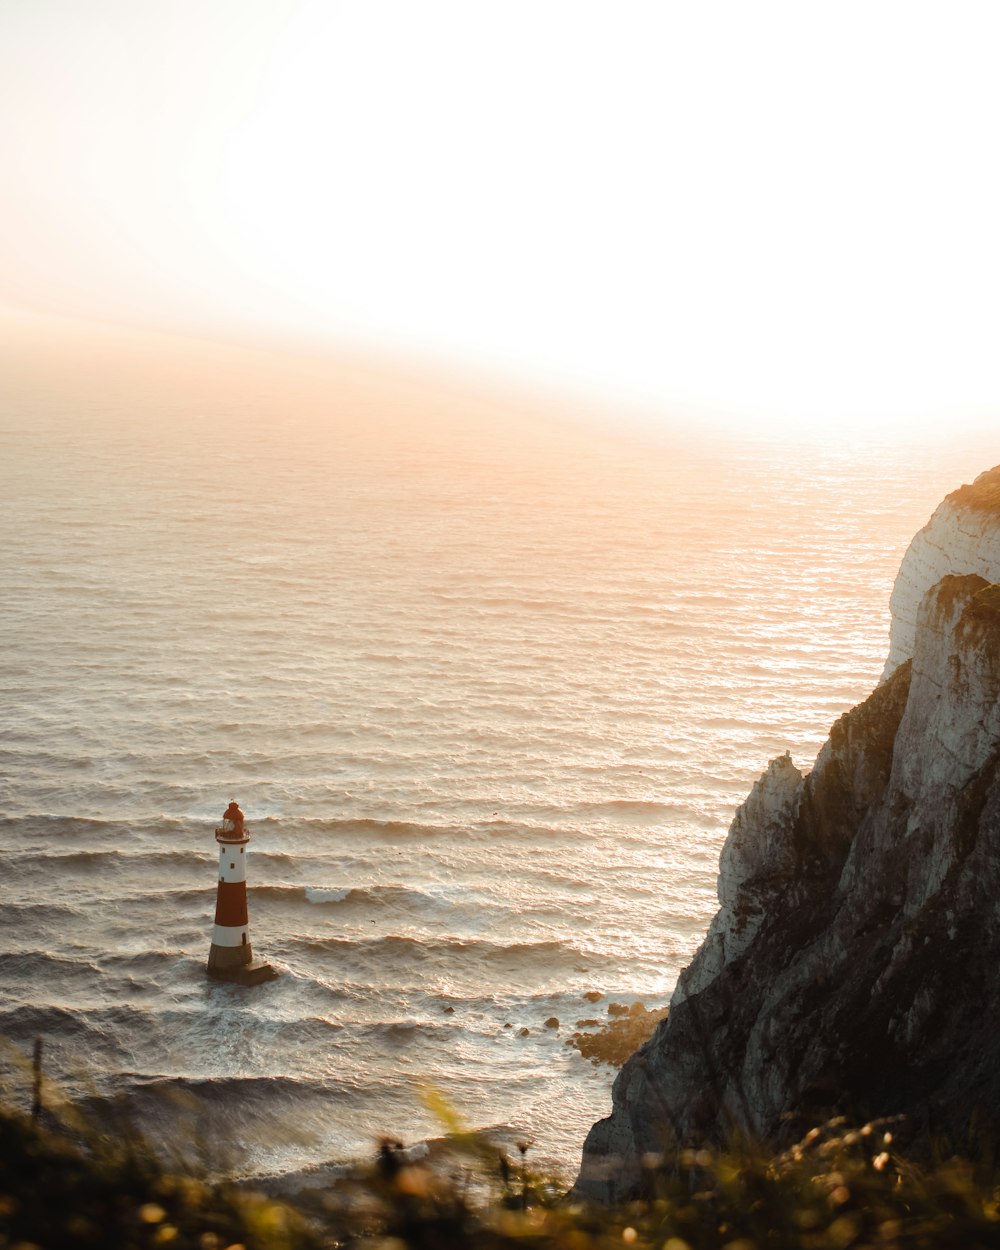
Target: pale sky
{"type": "Point", "coordinates": [784, 210]}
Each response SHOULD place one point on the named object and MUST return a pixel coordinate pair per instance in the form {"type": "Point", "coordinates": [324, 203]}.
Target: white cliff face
{"type": "Point", "coordinates": [857, 944]}
{"type": "Point", "coordinates": [948, 742]}
{"type": "Point", "coordinates": [963, 536]}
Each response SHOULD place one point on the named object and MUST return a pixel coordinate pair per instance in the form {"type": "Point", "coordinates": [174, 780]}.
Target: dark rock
{"type": "Point", "coordinates": [612, 1041]}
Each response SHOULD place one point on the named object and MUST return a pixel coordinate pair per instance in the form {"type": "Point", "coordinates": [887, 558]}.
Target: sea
{"type": "Point", "coordinates": [489, 678]}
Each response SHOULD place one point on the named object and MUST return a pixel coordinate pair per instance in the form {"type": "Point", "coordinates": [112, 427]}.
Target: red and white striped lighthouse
{"type": "Point", "coordinates": [231, 955]}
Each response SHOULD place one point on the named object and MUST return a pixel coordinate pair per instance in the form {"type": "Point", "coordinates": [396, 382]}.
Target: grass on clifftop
{"type": "Point", "coordinates": [982, 495]}
{"type": "Point", "coordinates": [838, 1189]}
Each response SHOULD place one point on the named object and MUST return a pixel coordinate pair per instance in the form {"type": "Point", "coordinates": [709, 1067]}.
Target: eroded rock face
{"type": "Point", "coordinates": [963, 536]}
{"type": "Point", "coordinates": [857, 946]}
{"type": "Point", "coordinates": [759, 853]}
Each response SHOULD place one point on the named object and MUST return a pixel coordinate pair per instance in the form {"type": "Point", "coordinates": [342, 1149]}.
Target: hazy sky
{"type": "Point", "coordinates": [786, 210]}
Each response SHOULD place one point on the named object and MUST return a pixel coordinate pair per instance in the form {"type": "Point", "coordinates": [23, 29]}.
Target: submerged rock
{"type": "Point", "coordinates": [857, 945]}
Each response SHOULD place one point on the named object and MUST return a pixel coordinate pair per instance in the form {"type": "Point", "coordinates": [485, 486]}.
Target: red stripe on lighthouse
{"type": "Point", "coordinates": [231, 903]}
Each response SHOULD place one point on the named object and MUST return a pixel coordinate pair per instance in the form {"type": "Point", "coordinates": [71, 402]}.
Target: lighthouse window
{"type": "Point", "coordinates": [242, 849]}
{"type": "Point", "coordinates": [232, 865]}
{"type": "Point", "coordinates": [244, 942]}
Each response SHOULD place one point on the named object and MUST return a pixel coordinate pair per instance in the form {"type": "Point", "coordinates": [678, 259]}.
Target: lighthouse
{"type": "Point", "coordinates": [230, 957]}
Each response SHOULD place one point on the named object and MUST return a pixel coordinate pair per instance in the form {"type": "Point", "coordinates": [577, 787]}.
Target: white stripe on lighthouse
{"type": "Point", "coordinates": [232, 863]}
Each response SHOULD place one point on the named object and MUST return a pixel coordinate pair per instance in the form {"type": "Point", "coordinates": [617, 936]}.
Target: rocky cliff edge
{"type": "Point", "coordinates": [854, 964]}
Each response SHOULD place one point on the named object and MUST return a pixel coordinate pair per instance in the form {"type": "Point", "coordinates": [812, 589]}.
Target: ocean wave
{"type": "Point", "coordinates": [99, 860]}
{"type": "Point", "coordinates": [50, 834]}
{"type": "Point", "coordinates": [633, 807]}
{"type": "Point", "coordinates": [96, 975]}
{"type": "Point", "coordinates": [319, 897]}
{"type": "Point", "coordinates": [278, 858]}
{"type": "Point", "coordinates": [268, 1086]}
{"type": "Point", "coordinates": [19, 912]}
{"type": "Point", "coordinates": [406, 1032]}
{"type": "Point", "coordinates": [530, 832]}
{"type": "Point", "coordinates": [252, 1094]}
{"type": "Point", "coordinates": [20, 1024]}
{"type": "Point", "coordinates": [113, 1022]}
{"type": "Point", "coordinates": [25, 966]}
{"type": "Point", "coordinates": [46, 831]}
{"type": "Point", "coordinates": [378, 828]}
{"type": "Point", "coordinates": [62, 861]}
{"type": "Point", "coordinates": [149, 961]}
{"type": "Point", "coordinates": [332, 896]}
{"type": "Point", "coordinates": [360, 824]}
{"type": "Point", "coordinates": [417, 950]}
{"type": "Point", "coordinates": [520, 602]}
{"type": "Point", "coordinates": [198, 1113]}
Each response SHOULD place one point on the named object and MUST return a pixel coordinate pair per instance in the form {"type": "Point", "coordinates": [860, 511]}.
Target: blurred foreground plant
{"type": "Point", "coordinates": [840, 1188]}
{"type": "Point", "coordinates": [67, 1191]}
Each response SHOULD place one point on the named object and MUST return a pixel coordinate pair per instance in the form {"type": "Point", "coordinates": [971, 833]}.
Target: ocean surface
{"type": "Point", "coordinates": [488, 684]}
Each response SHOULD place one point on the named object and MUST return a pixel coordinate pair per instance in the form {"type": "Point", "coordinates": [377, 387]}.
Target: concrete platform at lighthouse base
{"type": "Point", "coordinates": [254, 973]}
{"type": "Point", "coordinates": [236, 963]}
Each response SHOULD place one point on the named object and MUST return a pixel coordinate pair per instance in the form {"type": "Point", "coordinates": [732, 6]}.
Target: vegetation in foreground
{"type": "Point", "coordinates": [837, 1189]}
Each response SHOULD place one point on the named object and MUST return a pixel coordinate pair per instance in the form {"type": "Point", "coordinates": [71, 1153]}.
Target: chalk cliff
{"type": "Point", "coordinates": [854, 964]}
{"type": "Point", "coordinates": [961, 537]}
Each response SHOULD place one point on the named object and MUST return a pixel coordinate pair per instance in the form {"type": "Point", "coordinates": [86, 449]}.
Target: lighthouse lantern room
{"type": "Point", "coordinates": [230, 957]}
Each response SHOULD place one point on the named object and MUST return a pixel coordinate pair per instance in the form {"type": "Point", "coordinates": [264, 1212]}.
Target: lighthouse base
{"type": "Point", "coordinates": [236, 963]}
